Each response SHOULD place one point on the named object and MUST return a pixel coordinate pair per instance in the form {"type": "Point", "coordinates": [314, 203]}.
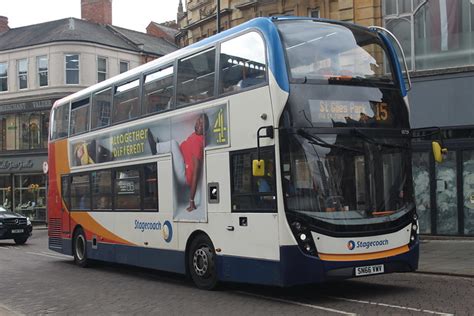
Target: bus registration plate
{"type": "Point", "coordinates": [376, 269]}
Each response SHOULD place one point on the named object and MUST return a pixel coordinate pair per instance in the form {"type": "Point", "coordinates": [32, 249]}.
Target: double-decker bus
{"type": "Point", "coordinates": [276, 152]}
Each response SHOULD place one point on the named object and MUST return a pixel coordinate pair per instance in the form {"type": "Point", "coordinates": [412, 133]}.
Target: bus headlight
{"type": "Point", "coordinates": [304, 238]}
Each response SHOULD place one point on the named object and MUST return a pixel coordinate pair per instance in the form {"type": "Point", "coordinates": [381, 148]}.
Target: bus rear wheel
{"type": "Point", "coordinates": [80, 248]}
{"type": "Point", "coordinates": [202, 263]}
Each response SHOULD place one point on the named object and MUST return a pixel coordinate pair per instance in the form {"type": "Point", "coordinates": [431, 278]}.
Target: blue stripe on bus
{"type": "Point", "coordinates": [294, 267]}
{"type": "Point", "coordinates": [395, 62]}
{"type": "Point", "coordinates": [276, 56]}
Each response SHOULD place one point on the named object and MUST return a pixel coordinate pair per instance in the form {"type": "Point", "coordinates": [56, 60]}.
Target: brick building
{"type": "Point", "coordinates": [42, 63]}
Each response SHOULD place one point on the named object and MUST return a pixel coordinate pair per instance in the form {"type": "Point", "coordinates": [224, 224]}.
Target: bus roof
{"type": "Point", "coordinates": [265, 25]}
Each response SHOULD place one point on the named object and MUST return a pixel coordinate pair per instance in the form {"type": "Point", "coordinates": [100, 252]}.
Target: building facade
{"type": "Point", "coordinates": [437, 37]}
{"type": "Point", "coordinates": [199, 19]}
{"type": "Point", "coordinates": [42, 63]}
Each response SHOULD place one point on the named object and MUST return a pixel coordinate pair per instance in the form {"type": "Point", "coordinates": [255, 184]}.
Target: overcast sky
{"type": "Point", "coordinates": [131, 14]}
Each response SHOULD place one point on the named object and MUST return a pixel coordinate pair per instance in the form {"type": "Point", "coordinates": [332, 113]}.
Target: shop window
{"type": "Point", "coordinates": [126, 101]}
{"type": "Point", "coordinates": [150, 191]}
{"type": "Point", "coordinates": [242, 63]}
{"type": "Point", "coordinates": [442, 31]}
{"type": "Point", "coordinates": [72, 68]}
{"type": "Point", "coordinates": [158, 90]}
{"type": "Point", "coordinates": [30, 196]}
{"type": "Point", "coordinates": [42, 67]}
{"type": "Point", "coordinates": [101, 104]}
{"type": "Point", "coordinates": [468, 184]}
{"type": "Point", "coordinates": [196, 77]}
{"type": "Point", "coordinates": [421, 182]}
{"type": "Point", "coordinates": [22, 67]}
{"type": "Point", "coordinates": [6, 192]}
{"type": "Point", "coordinates": [249, 193]}
{"type": "Point", "coordinates": [3, 77]}
{"type": "Point", "coordinates": [80, 192]}
{"type": "Point", "coordinates": [60, 122]}
{"type": "Point", "coordinates": [446, 196]}
{"type": "Point", "coordinates": [127, 189]}
{"type": "Point", "coordinates": [101, 190]}
{"type": "Point", "coordinates": [79, 116]}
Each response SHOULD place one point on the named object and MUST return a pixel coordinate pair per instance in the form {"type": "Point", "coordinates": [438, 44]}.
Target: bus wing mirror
{"type": "Point", "coordinates": [438, 152]}
{"type": "Point", "coordinates": [258, 168]}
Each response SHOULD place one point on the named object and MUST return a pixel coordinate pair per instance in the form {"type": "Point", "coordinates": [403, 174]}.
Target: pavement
{"type": "Point", "coordinates": [438, 255]}
{"type": "Point", "coordinates": [447, 255]}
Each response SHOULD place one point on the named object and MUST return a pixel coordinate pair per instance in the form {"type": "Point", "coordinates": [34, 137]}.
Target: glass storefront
{"type": "Point", "coordinates": [446, 196]}
{"type": "Point", "coordinates": [24, 131]}
{"type": "Point", "coordinates": [30, 196]}
{"type": "Point", "coordinates": [444, 192]}
{"type": "Point", "coordinates": [24, 194]}
{"type": "Point", "coordinates": [468, 184]}
{"type": "Point", "coordinates": [421, 183]}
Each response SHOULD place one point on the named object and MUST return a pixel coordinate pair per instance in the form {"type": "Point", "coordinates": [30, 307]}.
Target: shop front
{"type": "Point", "coordinates": [23, 186]}
{"type": "Point", "coordinates": [444, 192]}
{"type": "Point", "coordinates": [23, 149]}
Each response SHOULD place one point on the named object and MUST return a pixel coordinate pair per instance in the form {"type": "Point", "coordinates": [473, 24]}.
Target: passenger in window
{"type": "Point", "coordinates": [187, 157]}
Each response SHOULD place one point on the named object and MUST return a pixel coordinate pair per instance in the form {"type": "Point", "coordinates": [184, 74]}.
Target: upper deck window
{"type": "Point", "coordinates": [101, 102]}
{"type": "Point", "coordinates": [317, 50]}
{"type": "Point", "coordinates": [196, 77]}
{"type": "Point", "coordinates": [242, 63]}
{"type": "Point", "coordinates": [60, 121]}
{"type": "Point", "coordinates": [79, 116]}
{"type": "Point", "coordinates": [158, 90]}
{"type": "Point", "coordinates": [126, 101]}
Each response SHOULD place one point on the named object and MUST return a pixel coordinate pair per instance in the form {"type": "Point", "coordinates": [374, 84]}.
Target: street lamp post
{"type": "Point", "coordinates": [218, 16]}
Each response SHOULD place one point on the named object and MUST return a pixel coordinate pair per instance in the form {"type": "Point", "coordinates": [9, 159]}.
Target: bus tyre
{"type": "Point", "coordinates": [20, 240]}
{"type": "Point", "coordinates": [80, 248]}
{"type": "Point", "coordinates": [202, 263]}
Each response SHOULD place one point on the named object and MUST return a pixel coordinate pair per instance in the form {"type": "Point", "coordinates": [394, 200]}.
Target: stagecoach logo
{"type": "Point", "coordinates": [167, 231]}
{"type": "Point", "coordinates": [166, 228]}
{"type": "Point", "coordinates": [351, 245]}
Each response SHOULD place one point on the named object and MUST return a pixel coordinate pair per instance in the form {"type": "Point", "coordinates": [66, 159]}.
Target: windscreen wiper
{"type": "Point", "coordinates": [373, 141]}
{"type": "Point", "coordinates": [316, 140]}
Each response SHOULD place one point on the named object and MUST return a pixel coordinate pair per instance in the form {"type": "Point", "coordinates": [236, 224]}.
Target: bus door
{"type": "Point", "coordinates": [65, 206]}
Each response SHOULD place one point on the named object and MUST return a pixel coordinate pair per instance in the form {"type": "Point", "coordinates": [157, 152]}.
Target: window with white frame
{"type": "Point", "coordinates": [434, 34]}
{"type": "Point", "coordinates": [124, 66]}
{"type": "Point", "coordinates": [42, 68]}
{"type": "Point", "coordinates": [72, 68]}
{"type": "Point", "coordinates": [101, 69]}
{"type": "Point", "coordinates": [22, 67]}
{"type": "Point", "coordinates": [3, 76]}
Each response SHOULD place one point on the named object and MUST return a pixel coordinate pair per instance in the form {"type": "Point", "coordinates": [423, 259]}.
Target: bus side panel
{"type": "Point", "coordinates": [59, 225]}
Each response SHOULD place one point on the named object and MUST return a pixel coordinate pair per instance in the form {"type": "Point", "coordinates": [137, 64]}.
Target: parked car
{"type": "Point", "coordinates": [14, 226]}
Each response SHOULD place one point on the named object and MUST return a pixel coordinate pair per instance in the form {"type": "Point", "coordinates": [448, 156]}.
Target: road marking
{"type": "Point", "coordinates": [390, 305]}
{"type": "Point", "coordinates": [326, 309]}
{"type": "Point", "coordinates": [59, 255]}
{"type": "Point", "coordinates": [45, 255]}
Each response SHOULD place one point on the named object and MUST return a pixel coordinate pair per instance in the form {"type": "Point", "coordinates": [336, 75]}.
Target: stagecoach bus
{"type": "Point", "coordinates": [276, 152]}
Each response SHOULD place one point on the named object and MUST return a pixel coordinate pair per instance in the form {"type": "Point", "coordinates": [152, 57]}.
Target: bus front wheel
{"type": "Point", "coordinates": [80, 248]}
{"type": "Point", "coordinates": [202, 263]}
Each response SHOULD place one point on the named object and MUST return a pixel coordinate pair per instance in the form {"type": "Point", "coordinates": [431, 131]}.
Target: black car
{"type": "Point", "coordinates": [14, 226]}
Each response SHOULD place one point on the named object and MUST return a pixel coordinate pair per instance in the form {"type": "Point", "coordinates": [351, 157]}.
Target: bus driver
{"type": "Point", "coordinates": [187, 157]}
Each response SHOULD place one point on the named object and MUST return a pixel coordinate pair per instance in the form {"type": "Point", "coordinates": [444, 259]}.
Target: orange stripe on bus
{"type": "Point", "coordinates": [90, 224]}
{"type": "Point", "coordinates": [365, 256]}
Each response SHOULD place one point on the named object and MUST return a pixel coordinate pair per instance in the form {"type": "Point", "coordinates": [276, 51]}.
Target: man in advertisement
{"type": "Point", "coordinates": [187, 156]}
